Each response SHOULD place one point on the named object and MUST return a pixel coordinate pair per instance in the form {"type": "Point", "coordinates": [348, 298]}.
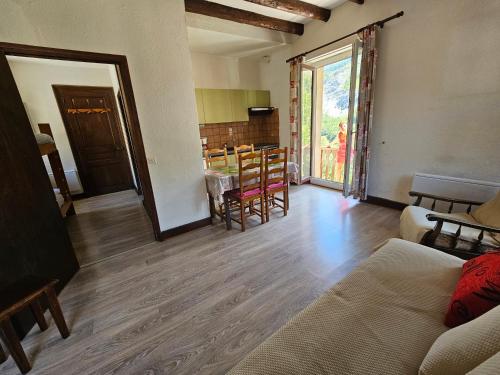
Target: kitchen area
{"type": "Point", "coordinates": [229, 118]}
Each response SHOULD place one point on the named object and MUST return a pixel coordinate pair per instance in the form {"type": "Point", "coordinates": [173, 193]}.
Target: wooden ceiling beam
{"type": "Point", "coordinates": [297, 7]}
{"type": "Point", "coordinates": [211, 9]}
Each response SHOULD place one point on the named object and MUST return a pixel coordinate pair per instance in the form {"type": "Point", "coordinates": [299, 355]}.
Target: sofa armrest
{"type": "Point", "coordinates": [464, 223]}
{"type": "Point", "coordinates": [436, 198]}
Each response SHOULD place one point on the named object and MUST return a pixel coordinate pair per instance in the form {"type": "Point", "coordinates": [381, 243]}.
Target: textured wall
{"type": "Point", "coordinates": [152, 34]}
{"type": "Point", "coordinates": [437, 89]}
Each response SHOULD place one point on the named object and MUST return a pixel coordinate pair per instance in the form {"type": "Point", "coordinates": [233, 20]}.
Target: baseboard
{"type": "Point", "coordinates": [185, 228]}
{"type": "Point", "coordinates": [385, 202]}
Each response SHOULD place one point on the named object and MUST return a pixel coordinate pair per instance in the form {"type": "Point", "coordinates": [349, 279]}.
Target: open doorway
{"type": "Point", "coordinates": [97, 135]}
{"type": "Point", "coordinates": [329, 104]}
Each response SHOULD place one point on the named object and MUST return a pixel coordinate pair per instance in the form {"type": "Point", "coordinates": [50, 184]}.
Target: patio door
{"type": "Point", "coordinates": [333, 107]}
{"type": "Point", "coordinates": [306, 97]}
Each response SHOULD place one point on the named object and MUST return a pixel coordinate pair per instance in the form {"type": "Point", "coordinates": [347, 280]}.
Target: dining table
{"type": "Point", "coordinates": [221, 180]}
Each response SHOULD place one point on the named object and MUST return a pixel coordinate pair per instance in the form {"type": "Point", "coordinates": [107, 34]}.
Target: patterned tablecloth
{"type": "Point", "coordinates": [221, 179]}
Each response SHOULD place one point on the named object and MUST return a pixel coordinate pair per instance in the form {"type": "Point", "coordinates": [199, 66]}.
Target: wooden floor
{"type": "Point", "coordinates": [107, 225]}
{"type": "Point", "coordinates": [198, 303]}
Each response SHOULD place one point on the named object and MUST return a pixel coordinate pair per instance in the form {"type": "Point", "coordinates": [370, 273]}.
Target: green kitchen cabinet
{"type": "Point", "coordinates": [259, 98]}
{"type": "Point", "coordinates": [239, 105]}
{"type": "Point", "coordinates": [199, 106]}
{"type": "Point", "coordinates": [217, 106]}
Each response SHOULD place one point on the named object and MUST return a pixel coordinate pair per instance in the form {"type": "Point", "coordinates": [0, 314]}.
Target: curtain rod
{"type": "Point", "coordinates": [378, 23]}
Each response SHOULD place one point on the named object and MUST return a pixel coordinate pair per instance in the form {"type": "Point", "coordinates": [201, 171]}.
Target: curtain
{"type": "Point", "coordinates": [365, 113]}
{"type": "Point", "coordinates": [295, 111]}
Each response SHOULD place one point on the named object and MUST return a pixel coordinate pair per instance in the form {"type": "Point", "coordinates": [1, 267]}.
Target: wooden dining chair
{"type": "Point", "coordinates": [213, 156]}
{"type": "Point", "coordinates": [243, 150]}
{"type": "Point", "coordinates": [276, 179]}
{"type": "Point", "coordinates": [251, 180]}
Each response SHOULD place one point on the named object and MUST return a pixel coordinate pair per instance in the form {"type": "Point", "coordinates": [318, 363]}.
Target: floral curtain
{"type": "Point", "coordinates": [295, 110]}
{"type": "Point", "coordinates": [365, 113]}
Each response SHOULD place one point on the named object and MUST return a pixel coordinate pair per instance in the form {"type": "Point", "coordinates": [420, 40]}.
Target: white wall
{"type": "Point", "coordinates": [34, 79]}
{"type": "Point", "coordinates": [225, 72]}
{"type": "Point", "coordinates": [275, 75]}
{"type": "Point", "coordinates": [437, 89]}
{"type": "Point", "coordinates": [152, 34]}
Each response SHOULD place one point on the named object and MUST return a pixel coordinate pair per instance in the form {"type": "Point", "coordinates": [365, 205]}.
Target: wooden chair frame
{"type": "Point", "coordinates": [453, 243]}
{"type": "Point", "coordinates": [246, 185]}
{"type": "Point", "coordinates": [213, 156]}
{"type": "Point", "coordinates": [243, 150]}
{"type": "Point", "coordinates": [270, 176]}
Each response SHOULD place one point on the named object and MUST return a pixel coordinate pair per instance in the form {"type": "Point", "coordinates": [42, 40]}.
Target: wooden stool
{"type": "Point", "coordinates": [17, 296]}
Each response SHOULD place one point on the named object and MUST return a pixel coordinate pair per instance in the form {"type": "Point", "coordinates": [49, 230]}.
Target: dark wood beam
{"type": "Point", "coordinates": [297, 7]}
{"type": "Point", "coordinates": [358, 1]}
{"type": "Point", "coordinates": [242, 16]}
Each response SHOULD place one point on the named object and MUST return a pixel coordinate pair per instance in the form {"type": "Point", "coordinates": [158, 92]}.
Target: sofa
{"type": "Point", "coordinates": [381, 319]}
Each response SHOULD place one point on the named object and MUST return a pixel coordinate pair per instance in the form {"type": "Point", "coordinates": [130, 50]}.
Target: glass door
{"type": "Point", "coordinates": [352, 118]}
{"type": "Point", "coordinates": [331, 110]}
{"type": "Point", "coordinates": [306, 98]}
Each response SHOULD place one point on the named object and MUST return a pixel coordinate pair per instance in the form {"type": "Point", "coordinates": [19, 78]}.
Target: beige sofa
{"type": "Point", "coordinates": [381, 319]}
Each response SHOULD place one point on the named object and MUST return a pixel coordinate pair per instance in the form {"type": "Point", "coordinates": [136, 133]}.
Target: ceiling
{"type": "Point", "coordinates": [226, 38]}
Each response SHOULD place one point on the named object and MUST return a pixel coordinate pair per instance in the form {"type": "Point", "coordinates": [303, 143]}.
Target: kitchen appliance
{"type": "Point", "coordinates": [258, 111]}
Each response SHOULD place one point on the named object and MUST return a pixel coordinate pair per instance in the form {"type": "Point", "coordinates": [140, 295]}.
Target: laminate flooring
{"type": "Point", "coordinates": [108, 225]}
{"type": "Point", "coordinates": [199, 302]}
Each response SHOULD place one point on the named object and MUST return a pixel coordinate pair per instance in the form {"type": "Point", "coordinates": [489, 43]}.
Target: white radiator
{"type": "Point", "coordinates": [453, 187]}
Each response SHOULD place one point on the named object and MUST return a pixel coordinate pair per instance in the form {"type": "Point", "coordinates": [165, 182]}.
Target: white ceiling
{"type": "Point", "coordinates": [226, 38]}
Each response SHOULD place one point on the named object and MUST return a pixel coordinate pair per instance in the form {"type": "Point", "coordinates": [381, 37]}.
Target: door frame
{"type": "Point", "coordinates": [59, 93]}
{"type": "Point", "coordinates": [125, 82]}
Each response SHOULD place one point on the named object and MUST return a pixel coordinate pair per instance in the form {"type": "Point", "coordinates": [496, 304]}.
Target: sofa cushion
{"type": "Point", "coordinates": [414, 224]}
{"type": "Point", "coordinates": [463, 348]}
{"type": "Point", "coordinates": [381, 319]}
{"type": "Point", "coordinates": [489, 367]}
{"type": "Point", "coordinates": [477, 291]}
{"type": "Point", "coordinates": [489, 214]}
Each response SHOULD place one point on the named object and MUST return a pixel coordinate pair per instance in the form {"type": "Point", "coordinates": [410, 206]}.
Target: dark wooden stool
{"type": "Point", "coordinates": [17, 296]}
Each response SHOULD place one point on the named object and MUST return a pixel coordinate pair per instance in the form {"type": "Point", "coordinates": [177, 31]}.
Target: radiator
{"type": "Point", "coordinates": [74, 184]}
{"type": "Point", "coordinates": [454, 187]}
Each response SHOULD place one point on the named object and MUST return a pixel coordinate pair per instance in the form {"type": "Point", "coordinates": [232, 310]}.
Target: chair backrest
{"type": "Point", "coordinates": [251, 173]}
{"type": "Point", "coordinates": [243, 150]}
{"type": "Point", "coordinates": [276, 166]}
{"type": "Point", "coordinates": [213, 155]}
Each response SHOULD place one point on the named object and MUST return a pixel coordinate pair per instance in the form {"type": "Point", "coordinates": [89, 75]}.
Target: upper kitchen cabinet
{"type": "Point", "coordinates": [217, 106]}
{"type": "Point", "coordinates": [259, 98]}
{"type": "Point", "coordinates": [239, 105]}
{"type": "Point", "coordinates": [199, 106]}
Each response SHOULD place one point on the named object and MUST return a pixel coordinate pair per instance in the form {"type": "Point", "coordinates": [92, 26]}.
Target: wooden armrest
{"type": "Point", "coordinates": [435, 198]}
{"type": "Point", "coordinates": [446, 219]}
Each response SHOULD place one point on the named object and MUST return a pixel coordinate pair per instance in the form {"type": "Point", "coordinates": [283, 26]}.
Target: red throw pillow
{"type": "Point", "coordinates": [477, 291]}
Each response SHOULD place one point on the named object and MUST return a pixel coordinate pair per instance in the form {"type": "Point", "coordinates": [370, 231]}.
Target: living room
{"type": "Point", "coordinates": [388, 249]}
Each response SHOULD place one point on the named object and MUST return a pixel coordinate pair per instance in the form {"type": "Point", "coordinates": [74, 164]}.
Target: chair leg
{"type": "Point", "coordinates": [267, 207]}
{"type": "Point", "coordinates": [57, 314]}
{"type": "Point", "coordinates": [242, 215]}
{"type": "Point", "coordinates": [285, 201]}
{"type": "Point", "coordinates": [221, 211]}
{"type": "Point", "coordinates": [14, 346]}
{"type": "Point", "coordinates": [37, 311]}
{"type": "Point", "coordinates": [262, 217]}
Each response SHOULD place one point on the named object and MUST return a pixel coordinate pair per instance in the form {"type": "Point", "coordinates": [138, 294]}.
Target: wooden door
{"type": "Point", "coordinates": [93, 126]}
{"type": "Point", "coordinates": [33, 236]}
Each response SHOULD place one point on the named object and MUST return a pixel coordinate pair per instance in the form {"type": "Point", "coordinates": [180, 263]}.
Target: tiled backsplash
{"type": "Point", "coordinates": [259, 129]}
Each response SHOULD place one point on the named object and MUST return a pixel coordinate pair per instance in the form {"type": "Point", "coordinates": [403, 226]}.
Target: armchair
{"type": "Point", "coordinates": [462, 234]}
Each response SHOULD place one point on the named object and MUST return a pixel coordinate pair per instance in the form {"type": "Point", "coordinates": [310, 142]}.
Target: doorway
{"type": "Point", "coordinates": [120, 65]}
{"type": "Point", "coordinates": [329, 105]}
{"type": "Point", "coordinates": [90, 116]}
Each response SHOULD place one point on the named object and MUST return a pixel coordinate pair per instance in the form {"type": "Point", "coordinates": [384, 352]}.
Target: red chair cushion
{"type": "Point", "coordinates": [477, 291]}
{"type": "Point", "coordinates": [278, 185]}
{"type": "Point", "coordinates": [236, 193]}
